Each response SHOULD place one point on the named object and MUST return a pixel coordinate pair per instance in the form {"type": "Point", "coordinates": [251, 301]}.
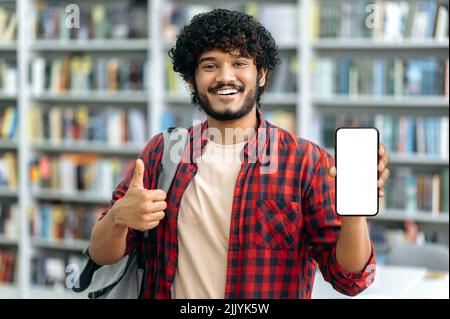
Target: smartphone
{"type": "Point", "coordinates": [356, 156]}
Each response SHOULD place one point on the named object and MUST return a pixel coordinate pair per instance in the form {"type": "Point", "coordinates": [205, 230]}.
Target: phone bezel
{"type": "Point", "coordinates": [336, 163]}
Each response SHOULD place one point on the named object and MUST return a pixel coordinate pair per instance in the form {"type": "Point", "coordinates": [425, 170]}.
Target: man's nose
{"type": "Point", "coordinates": [225, 74]}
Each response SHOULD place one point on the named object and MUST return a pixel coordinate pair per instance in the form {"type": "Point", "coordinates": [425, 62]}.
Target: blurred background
{"type": "Point", "coordinates": [84, 85]}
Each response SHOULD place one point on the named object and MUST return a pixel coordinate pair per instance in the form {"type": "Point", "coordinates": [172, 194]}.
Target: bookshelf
{"type": "Point", "coordinates": [68, 245]}
{"type": "Point", "coordinates": [8, 291]}
{"type": "Point", "coordinates": [369, 44]}
{"type": "Point", "coordinates": [9, 242]}
{"type": "Point", "coordinates": [401, 215]}
{"type": "Point", "coordinates": [8, 193]}
{"type": "Point", "coordinates": [98, 148]}
{"type": "Point", "coordinates": [91, 45]}
{"type": "Point", "coordinates": [71, 197]}
{"type": "Point", "coordinates": [162, 99]}
{"type": "Point", "coordinates": [26, 49]}
{"type": "Point", "coordinates": [97, 98]}
{"type": "Point", "coordinates": [340, 44]}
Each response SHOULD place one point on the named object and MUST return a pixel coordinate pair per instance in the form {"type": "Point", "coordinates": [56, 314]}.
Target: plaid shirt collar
{"type": "Point", "coordinates": [253, 150]}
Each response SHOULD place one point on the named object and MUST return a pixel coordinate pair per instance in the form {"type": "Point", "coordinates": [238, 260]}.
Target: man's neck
{"type": "Point", "coordinates": [234, 131]}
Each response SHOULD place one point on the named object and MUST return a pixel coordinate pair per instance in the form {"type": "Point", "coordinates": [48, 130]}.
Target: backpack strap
{"type": "Point", "coordinates": [175, 142]}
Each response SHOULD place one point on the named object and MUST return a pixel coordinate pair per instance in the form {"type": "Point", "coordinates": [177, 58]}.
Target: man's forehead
{"type": "Point", "coordinates": [219, 53]}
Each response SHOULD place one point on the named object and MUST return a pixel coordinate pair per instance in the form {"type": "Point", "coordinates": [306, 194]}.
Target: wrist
{"type": "Point", "coordinates": [353, 220]}
{"type": "Point", "coordinates": [116, 217]}
{"type": "Point", "coordinates": [353, 223]}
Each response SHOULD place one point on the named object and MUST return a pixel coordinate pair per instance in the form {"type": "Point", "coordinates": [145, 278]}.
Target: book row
{"type": "Point", "coordinates": [53, 222]}
{"type": "Point", "coordinates": [111, 126]}
{"type": "Point", "coordinates": [8, 76]}
{"type": "Point", "coordinates": [8, 261]}
{"type": "Point", "coordinates": [385, 237]}
{"type": "Point", "coordinates": [8, 220]}
{"type": "Point", "coordinates": [72, 173]}
{"type": "Point", "coordinates": [380, 76]}
{"type": "Point", "coordinates": [8, 24]}
{"type": "Point", "coordinates": [84, 21]}
{"type": "Point", "coordinates": [176, 15]}
{"type": "Point", "coordinates": [414, 191]}
{"type": "Point", "coordinates": [408, 135]}
{"type": "Point", "coordinates": [86, 73]}
{"type": "Point", "coordinates": [8, 170]}
{"type": "Point", "coordinates": [8, 122]}
{"type": "Point", "coordinates": [52, 268]}
{"type": "Point", "coordinates": [380, 20]}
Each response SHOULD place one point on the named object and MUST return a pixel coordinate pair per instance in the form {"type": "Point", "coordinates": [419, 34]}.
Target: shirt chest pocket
{"type": "Point", "coordinates": [278, 224]}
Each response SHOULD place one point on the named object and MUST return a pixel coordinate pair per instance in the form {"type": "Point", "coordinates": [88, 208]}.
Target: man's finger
{"type": "Point", "coordinates": [382, 155]}
{"type": "Point", "coordinates": [383, 163]}
{"type": "Point", "coordinates": [159, 206]}
{"type": "Point", "coordinates": [382, 150]}
{"type": "Point", "coordinates": [385, 175]}
{"type": "Point", "coordinates": [137, 181]}
{"type": "Point", "coordinates": [154, 216]}
{"type": "Point", "coordinates": [380, 183]}
{"type": "Point", "coordinates": [386, 158]}
{"type": "Point", "coordinates": [157, 195]}
{"type": "Point", "coordinates": [383, 178]}
{"type": "Point", "coordinates": [332, 171]}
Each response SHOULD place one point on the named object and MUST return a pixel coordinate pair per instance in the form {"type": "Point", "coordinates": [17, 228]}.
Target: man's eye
{"type": "Point", "coordinates": [240, 64]}
{"type": "Point", "coordinates": [209, 66]}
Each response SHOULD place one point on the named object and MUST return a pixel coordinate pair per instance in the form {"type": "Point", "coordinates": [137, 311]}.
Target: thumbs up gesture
{"type": "Point", "coordinates": [140, 208]}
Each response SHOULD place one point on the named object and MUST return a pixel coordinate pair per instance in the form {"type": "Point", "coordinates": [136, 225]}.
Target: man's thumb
{"type": "Point", "coordinates": [138, 177]}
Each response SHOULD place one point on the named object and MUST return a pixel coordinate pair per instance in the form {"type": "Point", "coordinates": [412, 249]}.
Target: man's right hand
{"type": "Point", "coordinates": [140, 208]}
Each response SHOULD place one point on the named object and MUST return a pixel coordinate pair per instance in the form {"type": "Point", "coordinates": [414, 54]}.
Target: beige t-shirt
{"type": "Point", "coordinates": [204, 224]}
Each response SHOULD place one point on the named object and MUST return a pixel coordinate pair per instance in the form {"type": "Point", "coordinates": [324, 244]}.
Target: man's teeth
{"type": "Point", "coordinates": [229, 91]}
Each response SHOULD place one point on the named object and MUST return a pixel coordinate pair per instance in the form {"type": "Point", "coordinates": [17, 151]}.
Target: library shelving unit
{"type": "Point", "coordinates": [8, 144]}
{"type": "Point", "coordinates": [31, 46]}
{"type": "Point", "coordinates": [424, 104]}
{"type": "Point", "coordinates": [154, 100]}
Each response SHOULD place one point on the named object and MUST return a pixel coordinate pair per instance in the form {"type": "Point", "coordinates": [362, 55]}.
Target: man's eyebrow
{"type": "Point", "coordinates": [206, 58]}
{"type": "Point", "coordinates": [240, 56]}
{"type": "Point", "coordinates": [210, 58]}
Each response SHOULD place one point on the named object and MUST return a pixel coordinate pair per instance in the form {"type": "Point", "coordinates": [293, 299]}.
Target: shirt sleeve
{"type": "Point", "coordinates": [323, 226]}
{"type": "Point", "coordinates": [149, 153]}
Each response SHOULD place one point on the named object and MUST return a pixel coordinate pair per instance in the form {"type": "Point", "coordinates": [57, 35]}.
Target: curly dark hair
{"type": "Point", "coordinates": [226, 30]}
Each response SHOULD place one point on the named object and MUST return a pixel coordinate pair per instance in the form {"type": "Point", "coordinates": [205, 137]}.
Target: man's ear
{"type": "Point", "coordinates": [262, 77]}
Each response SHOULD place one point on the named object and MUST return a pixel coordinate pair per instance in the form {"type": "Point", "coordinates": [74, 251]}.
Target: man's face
{"type": "Point", "coordinates": [227, 84]}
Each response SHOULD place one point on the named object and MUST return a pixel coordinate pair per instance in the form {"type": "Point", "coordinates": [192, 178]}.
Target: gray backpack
{"type": "Point", "coordinates": [124, 279]}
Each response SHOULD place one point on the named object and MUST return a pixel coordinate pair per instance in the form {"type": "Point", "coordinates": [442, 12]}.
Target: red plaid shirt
{"type": "Point", "coordinates": [283, 223]}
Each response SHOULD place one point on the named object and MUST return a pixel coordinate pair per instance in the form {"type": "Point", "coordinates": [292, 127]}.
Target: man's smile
{"type": "Point", "coordinates": [227, 95]}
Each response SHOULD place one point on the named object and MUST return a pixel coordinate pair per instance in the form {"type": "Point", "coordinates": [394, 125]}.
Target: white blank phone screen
{"type": "Point", "coordinates": [357, 173]}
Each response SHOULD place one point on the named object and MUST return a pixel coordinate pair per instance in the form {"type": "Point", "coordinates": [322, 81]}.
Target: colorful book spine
{"type": "Point", "coordinates": [72, 173]}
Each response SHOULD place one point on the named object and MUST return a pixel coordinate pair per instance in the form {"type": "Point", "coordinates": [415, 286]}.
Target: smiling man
{"type": "Point", "coordinates": [228, 229]}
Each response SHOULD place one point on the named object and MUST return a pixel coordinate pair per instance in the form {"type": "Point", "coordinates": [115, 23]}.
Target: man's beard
{"type": "Point", "coordinates": [228, 115]}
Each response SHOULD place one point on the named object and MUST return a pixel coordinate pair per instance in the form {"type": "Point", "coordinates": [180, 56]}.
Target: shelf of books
{"type": "Point", "coordinates": [91, 45]}
{"type": "Point", "coordinates": [385, 64]}
{"type": "Point", "coordinates": [381, 44]}
{"type": "Point", "coordinates": [8, 151]}
{"type": "Point", "coordinates": [88, 118]}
